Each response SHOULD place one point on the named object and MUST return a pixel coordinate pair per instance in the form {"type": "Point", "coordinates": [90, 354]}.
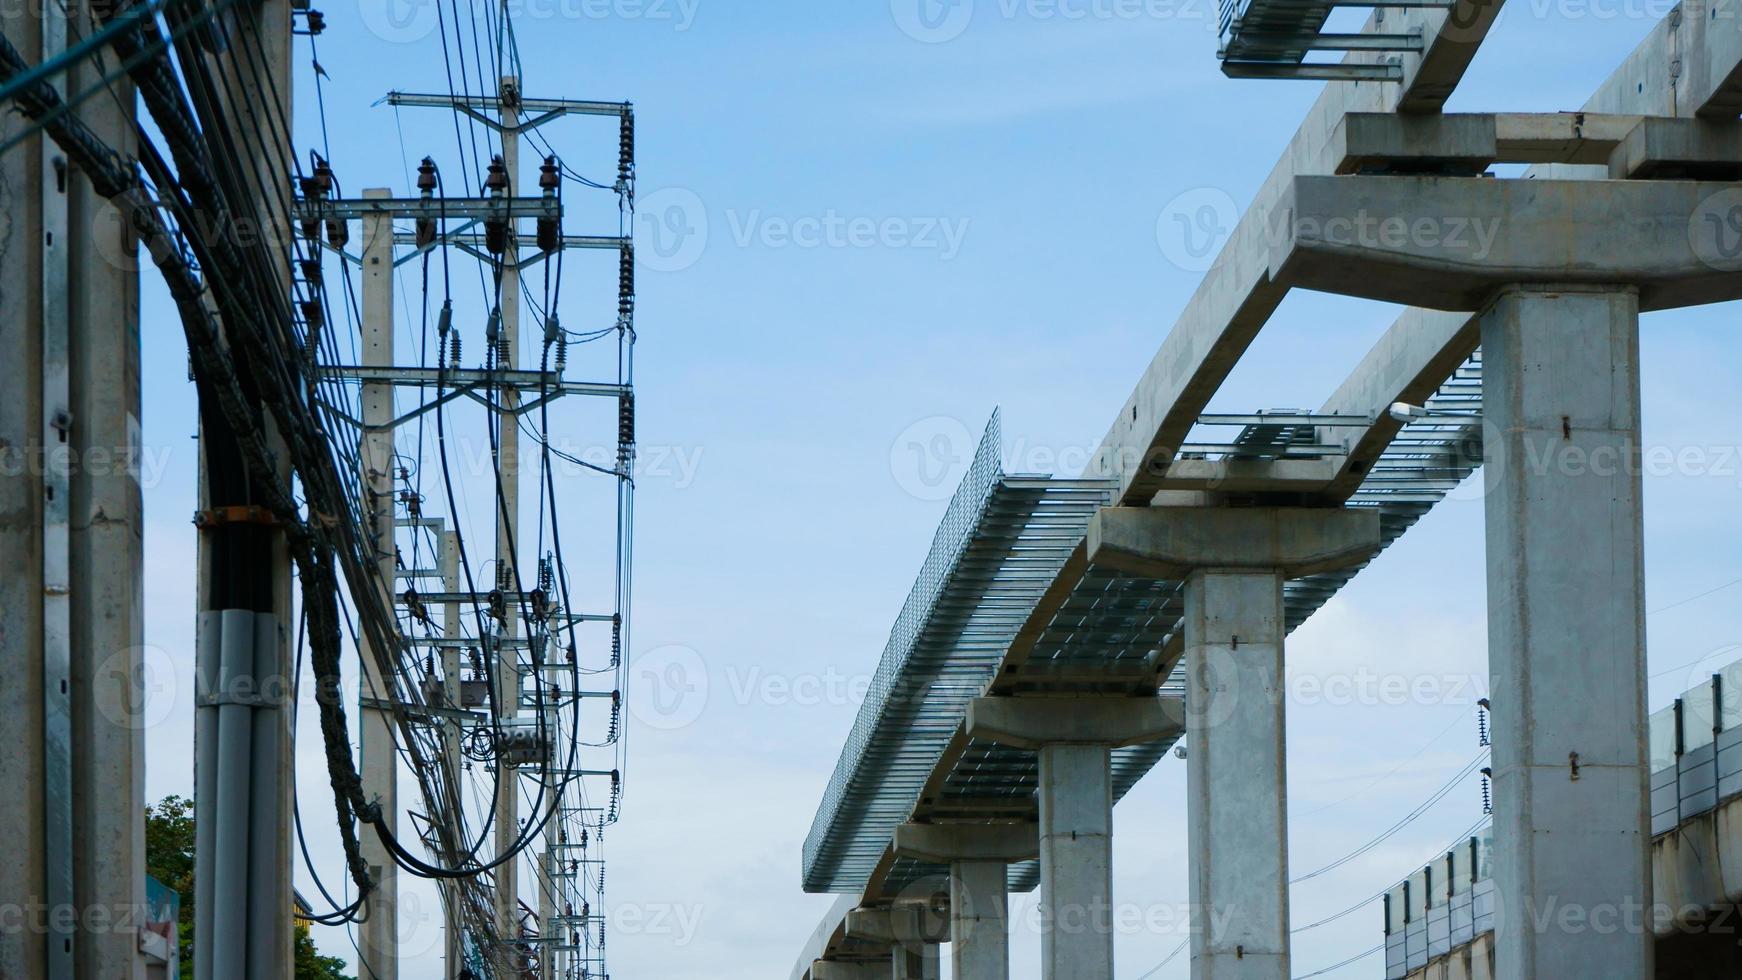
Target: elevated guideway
{"type": "Point", "coordinates": [987, 612]}
{"type": "Point", "coordinates": [1078, 629]}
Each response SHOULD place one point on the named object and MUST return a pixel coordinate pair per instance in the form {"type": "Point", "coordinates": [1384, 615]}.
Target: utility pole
{"type": "Point", "coordinates": [508, 522]}
{"type": "Point", "coordinates": [514, 391]}
{"type": "Point", "coordinates": [378, 946]}
{"type": "Point", "coordinates": [452, 698]}
{"type": "Point", "coordinates": [70, 539]}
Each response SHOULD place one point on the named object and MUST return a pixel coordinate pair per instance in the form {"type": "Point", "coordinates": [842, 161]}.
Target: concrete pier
{"type": "Point", "coordinates": [1237, 775]}
{"type": "Point", "coordinates": [1566, 633]}
{"type": "Point", "coordinates": [1073, 738]}
{"type": "Point", "coordinates": [979, 856]}
{"type": "Point", "coordinates": [979, 920]}
{"type": "Point", "coordinates": [1076, 862]}
{"type": "Point", "coordinates": [1234, 562]}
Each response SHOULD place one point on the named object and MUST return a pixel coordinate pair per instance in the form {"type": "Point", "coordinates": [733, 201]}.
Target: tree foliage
{"type": "Point", "coordinates": [169, 857]}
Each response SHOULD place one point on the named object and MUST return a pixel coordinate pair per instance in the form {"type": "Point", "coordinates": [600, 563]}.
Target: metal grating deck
{"type": "Point", "coordinates": [1003, 541]}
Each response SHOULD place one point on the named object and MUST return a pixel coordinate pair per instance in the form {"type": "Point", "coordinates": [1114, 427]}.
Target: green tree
{"type": "Point", "coordinates": [310, 964]}
{"type": "Point", "coordinates": [169, 857]}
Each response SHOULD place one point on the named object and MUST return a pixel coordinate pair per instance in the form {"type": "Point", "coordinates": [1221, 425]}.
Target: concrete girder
{"type": "Point", "coordinates": [1033, 723]}
{"type": "Point", "coordinates": [1472, 142]}
{"type": "Point", "coordinates": [1658, 148]}
{"type": "Point", "coordinates": [1253, 475]}
{"type": "Point", "coordinates": [1172, 542]}
{"type": "Point", "coordinates": [1450, 243]}
{"type": "Point", "coordinates": [946, 843]}
{"type": "Point", "coordinates": [823, 937]}
{"type": "Point", "coordinates": [1690, 65]}
{"type": "Point", "coordinates": [1630, 146]}
{"type": "Point", "coordinates": [1235, 299]}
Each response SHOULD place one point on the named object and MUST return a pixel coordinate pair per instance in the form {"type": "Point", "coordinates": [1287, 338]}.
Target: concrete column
{"type": "Point", "coordinates": [1073, 737]}
{"type": "Point", "coordinates": [979, 920]}
{"type": "Point", "coordinates": [1234, 562]}
{"type": "Point", "coordinates": [914, 964]}
{"type": "Point", "coordinates": [1236, 775]}
{"type": "Point", "coordinates": [979, 856]}
{"type": "Point", "coordinates": [1076, 862]}
{"type": "Point", "coordinates": [1482, 958]}
{"type": "Point", "coordinates": [1566, 633]}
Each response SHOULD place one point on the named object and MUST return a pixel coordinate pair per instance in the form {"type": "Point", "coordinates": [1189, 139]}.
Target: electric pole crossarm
{"type": "Point", "coordinates": [546, 108]}
{"type": "Point", "coordinates": [459, 237]}
{"type": "Point", "coordinates": [428, 377]}
{"type": "Point", "coordinates": [493, 208]}
{"type": "Point", "coordinates": [554, 391]}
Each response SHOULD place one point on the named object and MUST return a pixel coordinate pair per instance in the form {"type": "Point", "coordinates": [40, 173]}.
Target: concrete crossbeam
{"type": "Point", "coordinates": [1034, 723]}
{"type": "Point", "coordinates": [842, 970]}
{"type": "Point", "coordinates": [902, 925]}
{"type": "Point", "coordinates": [1171, 542]}
{"type": "Point", "coordinates": [944, 843]}
{"type": "Point", "coordinates": [1630, 146]}
{"type": "Point", "coordinates": [1471, 142]}
{"type": "Point", "coordinates": [1235, 298]}
{"type": "Point", "coordinates": [1246, 475]}
{"type": "Point", "coordinates": [1662, 148]}
{"type": "Point", "coordinates": [1690, 65]}
{"type": "Point", "coordinates": [1448, 243]}
{"type": "Point", "coordinates": [1566, 634]}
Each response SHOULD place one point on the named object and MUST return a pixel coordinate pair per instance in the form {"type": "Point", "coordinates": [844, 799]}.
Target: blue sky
{"type": "Point", "coordinates": [851, 234]}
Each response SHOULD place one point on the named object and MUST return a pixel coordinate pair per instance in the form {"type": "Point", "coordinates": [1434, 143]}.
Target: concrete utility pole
{"type": "Point", "coordinates": [378, 945]}
{"type": "Point", "coordinates": [508, 523]}
{"type": "Point", "coordinates": [453, 961]}
{"type": "Point", "coordinates": [70, 541]}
